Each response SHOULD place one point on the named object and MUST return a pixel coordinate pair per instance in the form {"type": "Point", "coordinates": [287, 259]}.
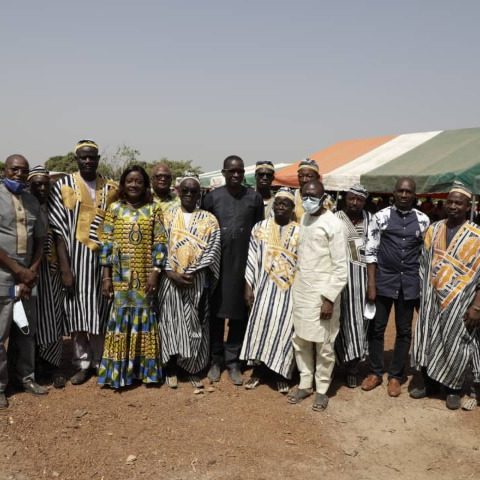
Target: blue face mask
{"type": "Point", "coordinates": [14, 185]}
{"type": "Point", "coordinates": [312, 205]}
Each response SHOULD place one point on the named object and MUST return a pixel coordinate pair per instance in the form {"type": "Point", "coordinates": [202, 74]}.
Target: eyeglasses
{"type": "Point", "coordinates": [191, 191]}
{"type": "Point", "coordinates": [162, 176]}
{"type": "Point", "coordinates": [264, 174]}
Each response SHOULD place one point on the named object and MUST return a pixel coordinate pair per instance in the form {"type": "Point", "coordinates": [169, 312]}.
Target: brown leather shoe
{"type": "Point", "coordinates": [371, 382]}
{"type": "Point", "coordinates": [394, 388]}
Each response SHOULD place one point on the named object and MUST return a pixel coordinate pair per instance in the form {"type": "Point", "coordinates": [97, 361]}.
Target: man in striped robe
{"type": "Point", "coordinates": [351, 342]}
{"type": "Point", "coordinates": [447, 333]}
{"type": "Point", "coordinates": [272, 259]}
{"type": "Point", "coordinates": [50, 316]}
{"type": "Point", "coordinates": [191, 274]}
{"type": "Point", "coordinates": [76, 210]}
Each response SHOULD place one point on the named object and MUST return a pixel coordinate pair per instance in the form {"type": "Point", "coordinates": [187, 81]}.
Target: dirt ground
{"type": "Point", "coordinates": [87, 432]}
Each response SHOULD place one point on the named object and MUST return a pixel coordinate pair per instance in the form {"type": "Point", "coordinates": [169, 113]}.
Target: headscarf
{"type": "Point", "coordinates": [190, 176]}
{"type": "Point", "coordinates": [459, 187]}
{"type": "Point", "coordinates": [286, 192]}
{"type": "Point", "coordinates": [85, 143]}
{"type": "Point", "coordinates": [264, 164]}
{"type": "Point", "coordinates": [309, 163]}
{"type": "Point", "coordinates": [37, 171]}
{"type": "Point", "coordinates": [359, 190]}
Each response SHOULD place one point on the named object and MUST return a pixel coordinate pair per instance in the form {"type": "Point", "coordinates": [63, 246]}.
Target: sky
{"type": "Point", "coordinates": [264, 79]}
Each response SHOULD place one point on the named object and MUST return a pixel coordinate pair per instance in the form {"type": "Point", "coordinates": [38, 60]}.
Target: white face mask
{"type": "Point", "coordinates": [312, 205]}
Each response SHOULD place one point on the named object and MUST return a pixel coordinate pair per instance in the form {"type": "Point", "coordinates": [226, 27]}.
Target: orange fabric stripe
{"type": "Point", "coordinates": [332, 157]}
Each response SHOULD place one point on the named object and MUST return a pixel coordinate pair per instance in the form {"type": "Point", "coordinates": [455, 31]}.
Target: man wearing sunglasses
{"type": "Point", "coordinates": [264, 175]}
{"type": "Point", "coordinates": [237, 209]}
{"type": "Point", "coordinates": [161, 186]}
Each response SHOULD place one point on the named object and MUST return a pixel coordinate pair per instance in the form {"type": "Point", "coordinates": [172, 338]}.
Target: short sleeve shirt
{"type": "Point", "coordinates": [20, 224]}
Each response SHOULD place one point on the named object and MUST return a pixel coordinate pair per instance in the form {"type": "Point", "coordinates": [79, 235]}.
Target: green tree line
{"type": "Point", "coordinates": [112, 166]}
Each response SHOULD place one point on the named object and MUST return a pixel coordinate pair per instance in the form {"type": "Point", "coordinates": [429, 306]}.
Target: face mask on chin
{"type": "Point", "coordinates": [312, 205]}
{"type": "Point", "coordinates": [14, 186]}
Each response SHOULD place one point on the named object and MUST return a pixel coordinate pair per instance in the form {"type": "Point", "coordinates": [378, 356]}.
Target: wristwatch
{"type": "Point", "coordinates": [157, 269]}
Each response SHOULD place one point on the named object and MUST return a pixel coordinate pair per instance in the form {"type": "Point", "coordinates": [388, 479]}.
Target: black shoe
{"type": "Point", "coordinates": [214, 373]}
{"type": "Point", "coordinates": [3, 401]}
{"type": "Point", "coordinates": [352, 380]}
{"type": "Point", "coordinates": [34, 388]}
{"type": "Point", "coordinates": [418, 392]}
{"type": "Point", "coordinates": [453, 401]}
{"type": "Point", "coordinates": [235, 376]}
{"type": "Point", "coordinates": [59, 380]}
{"type": "Point", "coordinates": [81, 376]}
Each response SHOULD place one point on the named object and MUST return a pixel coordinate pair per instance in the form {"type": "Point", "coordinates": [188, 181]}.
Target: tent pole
{"type": "Point", "coordinates": [474, 207]}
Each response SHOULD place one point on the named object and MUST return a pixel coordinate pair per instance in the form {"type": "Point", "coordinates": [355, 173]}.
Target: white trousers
{"type": "Point", "coordinates": [87, 349]}
{"type": "Point", "coordinates": [314, 359]}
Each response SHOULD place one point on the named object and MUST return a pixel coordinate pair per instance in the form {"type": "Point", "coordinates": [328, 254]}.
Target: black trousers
{"type": "Point", "coordinates": [227, 351]}
{"type": "Point", "coordinates": [376, 334]}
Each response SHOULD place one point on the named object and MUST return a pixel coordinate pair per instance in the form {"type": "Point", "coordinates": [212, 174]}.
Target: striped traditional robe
{"type": "Point", "coordinates": [449, 280]}
{"type": "Point", "coordinates": [50, 316]}
{"type": "Point", "coordinates": [184, 312]}
{"type": "Point", "coordinates": [351, 343]}
{"type": "Point", "coordinates": [75, 218]}
{"type": "Point", "coordinates": [272, 257]}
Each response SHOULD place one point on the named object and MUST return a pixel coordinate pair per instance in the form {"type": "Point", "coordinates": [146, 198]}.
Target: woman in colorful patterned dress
{"type": "Point", "coordinates": [133, 252]}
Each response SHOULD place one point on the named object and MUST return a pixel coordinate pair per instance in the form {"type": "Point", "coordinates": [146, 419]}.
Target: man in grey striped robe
{"type": "Point", "coordinates": [351, 343]}
{"type": "Point", "coordinates": [447, 334]}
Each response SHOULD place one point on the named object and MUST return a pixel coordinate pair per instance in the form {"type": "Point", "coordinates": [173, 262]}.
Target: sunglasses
{"type": "Point", "coordinates": [191, 191]}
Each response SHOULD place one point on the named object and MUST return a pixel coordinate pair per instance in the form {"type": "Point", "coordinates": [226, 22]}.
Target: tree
{"type": "Point", "coordinates": [62, 163]}
{"type": "Point", "coordinates": [112, 166]}
{"type": "Point", "coordinates": [178, 167]}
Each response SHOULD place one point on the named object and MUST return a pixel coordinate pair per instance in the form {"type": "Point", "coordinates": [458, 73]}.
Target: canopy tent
{"type": "Point", "coordinates": [215, 178]}
{"type": "Point", "coordinates": [433, 159]}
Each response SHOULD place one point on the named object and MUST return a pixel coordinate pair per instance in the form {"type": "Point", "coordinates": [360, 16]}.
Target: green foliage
{"type": "Point", "coordinates": [62, 163]}
{"type": "Point", "coordinates": [178, 167]}
{"type": "Point", "coordinates": [112, 166]}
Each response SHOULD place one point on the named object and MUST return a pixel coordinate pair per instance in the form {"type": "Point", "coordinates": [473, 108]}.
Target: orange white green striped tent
{"type": "Point", "coordinates": [434, 159]}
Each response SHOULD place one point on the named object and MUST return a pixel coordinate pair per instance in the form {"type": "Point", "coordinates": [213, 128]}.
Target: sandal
{"type": "Point", "coordinates": [298, 395]}
{"type": "Point", "coordinates": [320, 403]}
{"type": "Point", "coordinates": [171, 381]}
{"type": "Point", "coordinates": [252, 382]}
{"type": "Point", "coordinates": [469, 404]}
{"type": "Point", "coordinates": [195, 381]}
{"type": "Point", "coordinates": [282, 386]}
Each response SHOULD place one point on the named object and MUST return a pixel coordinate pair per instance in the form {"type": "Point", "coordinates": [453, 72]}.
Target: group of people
{"type": "Point", "coordinates": [150, 283]}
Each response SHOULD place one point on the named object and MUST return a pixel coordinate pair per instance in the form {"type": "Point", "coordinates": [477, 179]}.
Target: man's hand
{"type": "Point", "coordinates": [248, 295]}
{"type": "Point", "coordinates": [68, 281]}
{"type": "Point", "coordinates": [24, 291]}
{"type": "Point", "coordinates": [26, 276]}
{"type": "Point", "coordinates": [107, 288]}
{"type": "Point", "coordinates": [371, 292]}
{"type": "Point", "coordinates": [471, 318]}
{"type": "Point", "coordinates": [326, 310]}
{"type": "Point", "coordinates": [181, 280]}
{"type": "Point", "coordinates": [152, 282]}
